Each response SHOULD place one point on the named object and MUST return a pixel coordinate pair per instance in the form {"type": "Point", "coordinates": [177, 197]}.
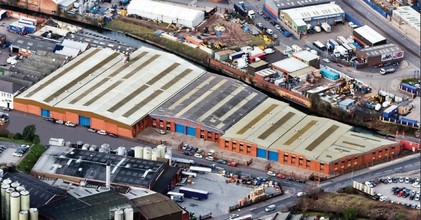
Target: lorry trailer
{"type": "Point", "coordinates": [194, 193]}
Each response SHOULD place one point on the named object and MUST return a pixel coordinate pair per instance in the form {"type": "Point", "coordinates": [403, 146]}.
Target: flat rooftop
{"type": "Point", "coordinates": [91, 165]}
{"type": "Point", "coordinates": [305, 55]}
{"type": "Point", "coordinates": [385, 49]}
{"type": "Point", "coordinates": [266, 123]}
{"type": "Point", "coordinates": [409, 15]}
{"type": "Point", "coordinates": [285, 4]}
{"type": "Point", "coordinates": [312, 11]}
{"type": "Point", "coordinates": [215, 102]}
{"type": "Point", "coordinates": [369, 34]}
{"type": "Point", "coordinates": [103, 82]}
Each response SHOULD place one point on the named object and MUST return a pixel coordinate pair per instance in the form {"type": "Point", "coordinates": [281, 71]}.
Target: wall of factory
{"type": "Point", "coordinates": [238, 146]}
{"type": "Point", "coordinates": [185, 127]}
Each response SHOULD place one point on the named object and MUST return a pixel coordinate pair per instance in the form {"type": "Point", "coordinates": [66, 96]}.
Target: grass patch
{"type": "Point", "coordinates": [147, 34]}
{"type": "Point", "coordinates": [407, 81]}
{"type": "Point", "coordinates": [30, 158]}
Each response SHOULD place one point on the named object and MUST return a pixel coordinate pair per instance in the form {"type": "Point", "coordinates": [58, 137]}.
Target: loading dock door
{"type": "Point", "coordinates": [191, 131]}
{"type": "Point", "coordinates": [273, 156]}
{"type": "Point", "coordinates": [179, 128]}
{"type": "Point", "coordinates": [45, 113]}
{"type": "Point", "coordinates": [261, 153]}
{"type": "Point", "coordinates": [84, 121]}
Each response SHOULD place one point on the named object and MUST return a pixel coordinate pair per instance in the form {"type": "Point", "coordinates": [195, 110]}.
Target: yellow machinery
{"type": "Point", "coordinates": [267, 39]}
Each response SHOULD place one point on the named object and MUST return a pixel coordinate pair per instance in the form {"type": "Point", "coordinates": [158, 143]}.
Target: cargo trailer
{"type": "Point", "coordinates": [194, 193]}
{"type": "Point", "coordinates": [16, 28]}
{"type": "Point", "coordinates": [236, 55]}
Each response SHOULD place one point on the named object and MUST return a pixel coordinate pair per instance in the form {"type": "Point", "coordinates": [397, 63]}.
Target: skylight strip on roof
{"type": "Point", "coordinates": [141, 66]}
{"type": "Point", "coordinates": [300, 132]}
{"type": "Point", "coordinates": [257, 119]}
{"type": "Point", "coordinates": [129, 63]}
{"type": "Point", "coordinates": [101, 94]}
{"type": "Point", "coordinates": [277, 125]}
{"type": "Point", "coordinates": [128, 98]}
{"type": "Point", "coordinates": [322, 137]}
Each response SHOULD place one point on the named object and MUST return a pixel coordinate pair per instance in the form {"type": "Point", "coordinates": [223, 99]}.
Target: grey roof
{"type": "Point", "coordinates": [385, 49]}
{"type": "Point", "coordinates": [369, 34]}
{"type": "Point", "coordinates": [157, 206]}
{"type": "Point", "coordinates": [215, 102]}
{"type": "Point", "coordinates": [41, 193]}
{"type": "Point", "coordinates": [99, 41]}
{"type": "Point", "coordinates": [285, 4]}
{"type": "Point", "coordinates": [9, 87]}
{"type": "Point", "coordinates": [124, 170]}
{"type": "Point", "coordinates": [97, 206]}
{"type": "Point", "coordinates": [33, 43]}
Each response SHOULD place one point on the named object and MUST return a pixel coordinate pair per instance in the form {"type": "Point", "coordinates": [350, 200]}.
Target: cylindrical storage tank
{"type": "Point", "coordinates": [4, 187]}
{"type": "Point", "coordinates": [156, 153]}
{"type": "Point", "coordinates": [1, 173]}
{"type": "Point", "coordinates": [7, 181]}
{"type": "Point", "coordinates": [138, 152]}
{"type": "Point", "coordinates": [102, 150]}
{"type": "Point", "coordinates": [147, 153]}
{"type": "Point", "coordinates": [118, 215]}
{"type": "Point", "coordinates": [162, 149]}
{"type": "Point", "coordinates": [7, 202]}
{"type": "Point", "coordinates": [24, 200]}
{"type": "Point", "coordinates": [23, 215]}
{"type": "Point", "coordinates": [121, 151]}
{"type": "Point", "coordinates": [79, 144]}
{"type": "Point", "coordinates": [85, 147]}
{"type": "Point", "coordinates": [14, 205]}
{"type": "Point", "coordinates": [15, 184]}
{"type": "Point", "coordinates": [128, 214]}
{"type": "Point", "coordinates": [93, 147]}
{"type": "Point", "coordinates": [33, 214]}
{"type": "Point", "coordinates": [20, 188]}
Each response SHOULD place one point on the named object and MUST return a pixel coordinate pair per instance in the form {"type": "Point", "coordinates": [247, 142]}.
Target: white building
{"type": "Point", "coordinates": [407, 19]}
{"type": "Point", "coordinates": [7, 91]}
{"type": "Point", "coordinates": [166, 12]}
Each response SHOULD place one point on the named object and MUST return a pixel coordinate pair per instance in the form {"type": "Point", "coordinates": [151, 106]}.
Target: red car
{"type": "Point", "coordinates": [400, 193]}
{"type": "Point", "coordinates": [280, 176]}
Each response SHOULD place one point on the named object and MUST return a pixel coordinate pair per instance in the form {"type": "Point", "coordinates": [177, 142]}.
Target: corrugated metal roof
{"type": "Point", "coordinates": [369, 34]}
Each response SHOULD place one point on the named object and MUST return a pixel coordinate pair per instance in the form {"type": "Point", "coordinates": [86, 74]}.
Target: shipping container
{"type": "Point", "coordinates": [194, 193]}
{"type": "Point", "coordinates": [30, 20]}
{"type": "Point", "coordinates": [390, 112]}
{"type": "Point", "coordinates": [253, 58]}
{"type": "Point", "coordinates": [3, 14]}
{"type": "Point", "coordinates": [236, 55]}
{"type": "Point", "coordinates": [409, 88]}
{"type": "Point", "coordinates": [193, 40]}
{"type": "Point", "coordinates": [332, 44]}
{"type": "Point", "coordinates": [329, 74]}
{"type": "Point", "coordinates": [16, 28]}
{"type": "Point", "coordinates": [319, 45]}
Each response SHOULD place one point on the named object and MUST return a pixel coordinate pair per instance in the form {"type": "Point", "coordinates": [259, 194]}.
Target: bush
{"type": "Point", "coordinates": [36, 140]}
{"type": "Point", "coordinates": [29, 133]}
{"type": "Point", "coordinates": [18, 136]}
{"type": "Point", "coordinates": [26, 163]}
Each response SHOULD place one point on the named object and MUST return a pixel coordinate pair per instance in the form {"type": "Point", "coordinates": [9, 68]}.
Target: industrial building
{"type": "Point", "coordinates": [166, 12]}
{"type": "Point", "coordinates": [106, 90]}
{"type": "Point", "coordinates": [279, 133]}
{"type": "Point", "coordinates": [372, 56]}
{"type": "Point", "coordinates": [274, 7]}
{"type": "Point", "coordinates": [293, 67]}
{"type": "Point", "coordinates": [408, 19]}
{"type": "Point", "coordinates": [308, 58]}
{"type": "Point", "coordinates": [207, 107]}
{"type": "Point", "coordinates": [103, 169]}
{"type": "Point", "coordinates": [366, 36]}
{"type": "Point", "coordinates": [299, 18]}
{"type": "Point", "coordinates": [8, 89]}
{"type": "Point", "coordinates": [26, 45]}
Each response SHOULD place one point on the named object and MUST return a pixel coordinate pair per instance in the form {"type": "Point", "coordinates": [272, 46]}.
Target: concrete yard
{"type": "Point", "coordinates": [7, 155]}
{"type": "Point", "coordinates": [337, 30]}
{"type": "Point", "coordinates": [222, 195]}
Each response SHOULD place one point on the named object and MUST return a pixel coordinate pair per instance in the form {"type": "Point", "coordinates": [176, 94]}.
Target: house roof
{"type": "Point", "coordinates": [9, 87]}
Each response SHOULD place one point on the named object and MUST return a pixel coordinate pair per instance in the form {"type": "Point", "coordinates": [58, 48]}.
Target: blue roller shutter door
{"type": "Point", "coordinates": [84, 121]}
{"type": "Point", "coordinates": [45, 113]}
{"type": "Point", "coordinates": [261, 153]}
{"type": "Point", "coordinates": [191, 131]}
{"type": "Point", "coordinates": [273, 156]}
{"type": "Point", "coordinates": [179, 128]}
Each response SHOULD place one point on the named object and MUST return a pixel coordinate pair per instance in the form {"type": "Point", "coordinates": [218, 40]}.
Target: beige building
{"type": "Point", "coordinates": [408, 20]}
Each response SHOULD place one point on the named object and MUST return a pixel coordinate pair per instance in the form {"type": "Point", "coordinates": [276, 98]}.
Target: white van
{"type": "Point", "coordinates": [269, 31]}
{"type": "Point", "coordinates": [270, 208]}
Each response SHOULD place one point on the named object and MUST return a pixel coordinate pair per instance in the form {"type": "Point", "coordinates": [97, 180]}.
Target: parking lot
{"type": "Point", "coordinates": [400, 181]}
{"type": "Point", "coordinates": [337, 30]}
{"type": "Point", "coordinates": [6, 155]}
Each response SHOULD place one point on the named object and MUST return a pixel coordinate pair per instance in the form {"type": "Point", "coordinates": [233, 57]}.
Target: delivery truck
{"type": "Point", "coordinates": [326, 27]}
{"type": "Point", "coordinates": [194, 193]}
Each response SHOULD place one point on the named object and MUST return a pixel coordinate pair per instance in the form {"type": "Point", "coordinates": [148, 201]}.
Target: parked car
{"type": "Point", "coordinates": [70, 124]}
{"type": "Point", "coordinates": [259, 25]}
{"type": "Point", "coordinates": [406, 179]}
{"type": "Point", "coordinates": [269, 51]}
{"type": "Point", "coordinates": [326, 60]}
{"type": "Point", "coordinates": [101, 132]}
{"type": "Point", "coordinates": [112, 135]}
{"type": "Point", "coordinates": [60, 122]}
{"type": "Point", "coordinates": [401, 180]}
{"type": "Point", "coordinates": [271, 173]}
{"type": "Point", "coordinates": [280, 176]}
{"type": "Point", "coordinates": [188, 153]}
{"type": "Point", "coordinates": [221, 161]}
{"type": "Point", "coordinates": [160, 131]}
{"type": "Point", "coordinates": [299, 194]}
{"type": "Point", "coordinates": [211, 152]}
{"type": "Point", "coordinates": [210, 158]}
{"type": "Point", "coordinates": [50, 119]}
{"type": "Point", "coordinates": [198, 155]}
{"type": "Point", "coordinates": [199, 150]}
{"type": "Point", "coordinates": [277, 27]}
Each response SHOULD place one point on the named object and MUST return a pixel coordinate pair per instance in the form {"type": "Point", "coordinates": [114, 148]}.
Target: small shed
{"type": "Point", "coordinates": [257, 66]}
{"type": "Point", "coordinates": [346, 104]}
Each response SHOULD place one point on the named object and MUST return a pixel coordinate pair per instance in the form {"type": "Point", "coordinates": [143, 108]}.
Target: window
{"type": "Point", "coordinates": [300, 161]}
{"type": "Point", "coordinates": [322, 167]}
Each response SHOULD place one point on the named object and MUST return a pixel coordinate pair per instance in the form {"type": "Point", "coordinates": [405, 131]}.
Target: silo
{"type": "Point", "coordinates": [14, 205]}
{"type": "Point", "coordinates": [147, 153]}
{"type": "Point", "coordinates": [20, 188]}
{"type": "Point", "coordinates": [33, 213]}
{"type": "Point", "coordinates": [121, 151]}
{"type": "Point", "coordinates": [138, 152]}
{"type": "Point", "coordinates": [23, 215]}
{"type": "Point", "coordinates": [24, 200]}
{"type": "Point", "coordinates": [85, 146]}
{"type": "Point", "coordinates": [93, 148]}
{"type": "Point", "coordinates": [7, 202]}
{"type": "Point", "coordinates": [15, 184]}
{"type": "Point", "coordinates": [4, 187]}
{"type": "Point", "coordinates": [79, 144]}
{"type": "Point", "coordinates": [162, 148]}
{"type": "Point", "coordinates": [106, 147]}
{"type": "Point", "coordinates": [1, 173]}
{"type": "Point", "coordinates": [118, 215]}
{"type": "Point", "coordinates": [156, 153]}
{"type": "Point", "coordinates": [7, 181]}
{"type": "Point", "coordinates": [128, 213]}
{"type": "Point", "coordinates": [102, 150]}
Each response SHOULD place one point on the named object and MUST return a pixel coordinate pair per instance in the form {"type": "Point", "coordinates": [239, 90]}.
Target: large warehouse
{"type": "Point", "coordinates": [166, 12]}
{"type": "Point", "coordinates": [298, 18]}
{"type": "Point", "coordinates": [380, 54]}
{"type": "Point", "coordinates": [102, 90]}
{"type": "Point", "coordinates": [366, 36]}
{"type": "Point", "coordinates": [408, 19]}
{"type": "Point", "coordinates": [279, 133]}
{"type": "Point", "coordinates": [274, 7]}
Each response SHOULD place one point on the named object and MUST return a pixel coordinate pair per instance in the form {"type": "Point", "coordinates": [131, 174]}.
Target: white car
{"type": "Point", "coordinates": [416, 184]}
{"type": "Point", "coordinates": [92, 130]}
{"type": "Point", "coordinates": [389, 179]}
{"type": "Point", "coordinates": [101, 132]}
{"type": "Point", "coordinates": [211, 152]}
{"type": "Point", "coordinates": [299, 194]}
{"type": "Point", "coordinates": [326, 60]}
{"type": "Point", "coordinates": [406, 179]}
{"type": "Point", "coordinates": [198, 155]}
{"type": "Point", "coordinates": [383, 198]}
{"type": "Point", "coordinates": [269, 31]}
{"type": "Point", "coordinates": [275, 36]}
{"type": "Point", "coordinates": [271, 173]}
{"type": "Point", "coordinates": [369, 184]}
{"type": "Point", "coordinates": [159, 131]}
{"type": "Point", "coordinates": [17, 154]}
{"type": "Point", "coordinates": [70, 124]}
{"type": "Point", "coordinates": [401, 180]}
{"type": "Point", "coordinates": [269, 51]}
{"type": "Point", "coordinates": [278, 27]}
{"type": "Point", "coordinates": [260, 25]}
{"type": "Point", "coordinates": [210, 158]}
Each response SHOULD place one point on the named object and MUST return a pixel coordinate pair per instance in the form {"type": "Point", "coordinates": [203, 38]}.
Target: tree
{"type": "Point", "coordinates": [349, 213]}
{"type": "Point", "coordinates": [17, 136]}
{"type": "Point", "coordinates": [29, 133]}
{"type": "Point", "coordinates": [36, 140]}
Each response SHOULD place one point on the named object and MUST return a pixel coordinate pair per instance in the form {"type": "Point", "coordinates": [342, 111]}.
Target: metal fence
{"type": "Point", "coordinates": [378, 9]}
{"type": "Point", "coordinates": [352, 19]}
